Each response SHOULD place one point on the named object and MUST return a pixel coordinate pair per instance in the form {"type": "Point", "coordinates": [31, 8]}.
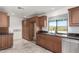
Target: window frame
{"type": "Point", "coordinates": [56, 32]}
{"type": "Point", "coordinates": [48, 25]}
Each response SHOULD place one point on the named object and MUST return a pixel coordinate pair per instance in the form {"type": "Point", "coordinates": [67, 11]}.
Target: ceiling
{"type": "Point", "coordinates": [26, 11]}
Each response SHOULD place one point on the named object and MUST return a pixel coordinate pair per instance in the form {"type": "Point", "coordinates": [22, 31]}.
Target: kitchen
{"type": "Point", "coordinates": [69, 42]}
{"type": "Point", "coordinates": [56, 31]}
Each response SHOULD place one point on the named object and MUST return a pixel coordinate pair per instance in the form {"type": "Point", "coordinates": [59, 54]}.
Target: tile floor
{"type": "Point", "coordinates": [24, 46]}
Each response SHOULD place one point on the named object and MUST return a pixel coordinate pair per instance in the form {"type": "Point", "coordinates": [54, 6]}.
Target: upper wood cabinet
{"type": "Point", "coordinates": [74, 16]}
{"type": "Point", "coordinates": [42, 21]}
{"type": "Point", "coordinates": [33, 19]}
{"type": "Point", "coordinates": [4, 20]}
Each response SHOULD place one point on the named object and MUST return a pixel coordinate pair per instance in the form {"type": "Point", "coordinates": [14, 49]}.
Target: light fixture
{"type": "Point", "coordinates": [20, 7]}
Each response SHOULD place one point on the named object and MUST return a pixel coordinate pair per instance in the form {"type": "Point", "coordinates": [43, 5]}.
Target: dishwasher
{"type": "Point", "coordinates": [70, 44]}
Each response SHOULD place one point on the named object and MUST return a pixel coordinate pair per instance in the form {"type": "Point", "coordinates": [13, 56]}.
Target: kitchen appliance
{"type": "Point", "coordinates": [73, 36]}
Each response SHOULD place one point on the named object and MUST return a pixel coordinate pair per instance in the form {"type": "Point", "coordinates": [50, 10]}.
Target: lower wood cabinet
{"type": "Point", "coordinates": [50, 42]}
{"type": "Point", "coordinates": [6, 41]}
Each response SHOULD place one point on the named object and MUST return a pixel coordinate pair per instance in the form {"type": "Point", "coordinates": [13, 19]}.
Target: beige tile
{"type": "Point", "coordinates": [24, 46]}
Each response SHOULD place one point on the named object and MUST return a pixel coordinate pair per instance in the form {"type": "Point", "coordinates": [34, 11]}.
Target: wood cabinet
{"type": "Point", "coordinates": [42, 21]}
{"type": "Point", "coordinates": [4, 20]}
{"type": "Point", "coordinates": [31, 31]}
{"type": "Point", "coordinates": [74, 16]}
{"type": "Point", "coordinates": [33, 19]}
{"type": "Point", "coordinates": [4, 29]}
{"type": "Point", "coordinates": [50, 42]}
{"type": "Point", "coordinates": [6, 41]}
{"type": "Point", "coordinates": [27, 30]}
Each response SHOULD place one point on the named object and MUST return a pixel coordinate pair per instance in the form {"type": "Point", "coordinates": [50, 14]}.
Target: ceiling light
{"type": "Point", "coordinates": [20, 8]}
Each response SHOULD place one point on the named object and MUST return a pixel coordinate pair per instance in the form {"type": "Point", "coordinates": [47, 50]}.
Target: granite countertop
{"type": "Point", "coordinates": [6, 33]}
{"type": "Point", "coordinates": [61, 35]}
{"type": "Point", "coordinates": [71, 40]}
{"type": "Point", "coordinates": [65, 36]}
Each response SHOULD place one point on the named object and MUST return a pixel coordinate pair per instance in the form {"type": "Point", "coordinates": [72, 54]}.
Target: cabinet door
{"type": "Point", "coordinates": [4, 42]}
{"type": "Point", "coordinates": [0, 41]}
{"type": "Point", "coordinates": [40, 40]}
{"type": "Point", "coordinates": [49, 42]}
{"type": "Point", "coordinates": [57, 44]}
{"type": "Point", "coordinates": [37, 21]}
{"type": "Point", "coordinates": [52, 43]}
{"type": "Point", "coordinates": [74, 16]}
{"type": "Point", "coordinates": [26, 31]}
{"type": "Point", "coordinates": [3, 20]}
{"type": "Point", "coordinates": [8, 21]}
{"type": "Point", "coordinates": [31, 31]}
{"type": "Point", "coordinates": [0, 20]}
{"type": "Point", "coordinates": [41, 22]}
{"type": "Point", "coordinates": [44, 21]}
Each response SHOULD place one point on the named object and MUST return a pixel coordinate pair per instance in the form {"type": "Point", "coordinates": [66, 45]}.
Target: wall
{"type": "Point", "coordinates": [16, 27]}
{"type": "Point", "coordinates": [64, 11]}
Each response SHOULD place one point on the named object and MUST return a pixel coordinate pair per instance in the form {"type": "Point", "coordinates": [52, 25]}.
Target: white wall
{"type": "Point", "coordinates": [16, 27]}
{"type": "Point", "coordinates": [64, 11]}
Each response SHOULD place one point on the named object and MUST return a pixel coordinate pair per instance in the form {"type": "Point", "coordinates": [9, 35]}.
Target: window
{"type": "Point", "coordinates": [61, 26]}
{"type": "Point", "coordinates": [52, 26]}
{"type": "Point", "coordinates": [58, 25]}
